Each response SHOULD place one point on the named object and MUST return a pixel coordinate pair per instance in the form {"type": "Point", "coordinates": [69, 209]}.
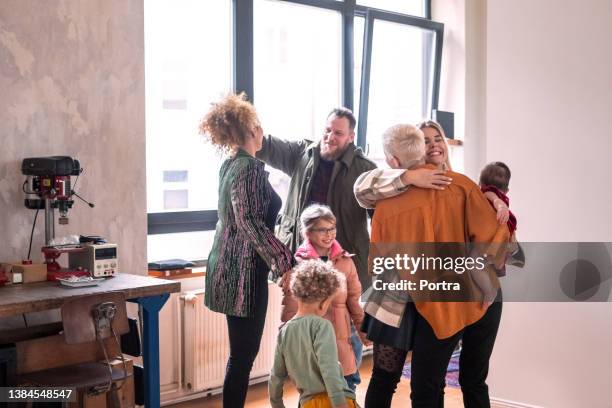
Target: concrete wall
{"type": "Point", "coordinates": [72, 83]}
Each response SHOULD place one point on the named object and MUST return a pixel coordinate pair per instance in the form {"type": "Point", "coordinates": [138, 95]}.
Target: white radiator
{"type": "Point", "coordinates": [206, 345]}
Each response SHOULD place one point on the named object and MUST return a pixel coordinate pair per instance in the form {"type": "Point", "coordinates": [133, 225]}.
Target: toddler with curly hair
{"type": "Point", "coordinates": [306, 348]}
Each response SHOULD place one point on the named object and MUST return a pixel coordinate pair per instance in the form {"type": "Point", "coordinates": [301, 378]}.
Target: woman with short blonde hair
{"type": "Point", "coordinates": [404, 146]}
{"type": "Point", "coordinates": [378, 184]}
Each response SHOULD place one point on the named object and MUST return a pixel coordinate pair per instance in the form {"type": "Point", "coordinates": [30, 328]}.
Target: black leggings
{"type": "Point", "coordinates": [244, 338]}
{"type": "Point", "coordinates": [386, 374]}
{"type": "Point", "coordinates": [430, 360]}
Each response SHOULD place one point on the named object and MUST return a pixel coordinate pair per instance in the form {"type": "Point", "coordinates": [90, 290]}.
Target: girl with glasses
{"type": "Point", "coordinates": [319, 231]}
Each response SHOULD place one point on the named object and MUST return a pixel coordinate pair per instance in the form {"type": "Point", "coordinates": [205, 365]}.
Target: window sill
{"type": "Point", "coordinates": [178, 273]}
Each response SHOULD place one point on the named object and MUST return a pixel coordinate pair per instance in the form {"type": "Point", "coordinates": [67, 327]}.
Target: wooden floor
{"type": "Point", "coordinates": [257, 396]}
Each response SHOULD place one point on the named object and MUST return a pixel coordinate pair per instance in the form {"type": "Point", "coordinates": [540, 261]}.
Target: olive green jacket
{"type": "Point", "coordinates": [299, 160]}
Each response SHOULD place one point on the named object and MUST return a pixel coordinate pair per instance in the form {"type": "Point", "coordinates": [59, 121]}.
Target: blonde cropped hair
{"type": "Point", "coordinates": [229, 122]}
{"type": "Point", "coordinates": [406, 143]}
{"type": "Point", "coordinates": [314, 213]}
{"type": "Point", "coordinates": [314, 281]}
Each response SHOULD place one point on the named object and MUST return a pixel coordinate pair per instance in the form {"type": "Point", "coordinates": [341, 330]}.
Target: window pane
{"type": "Point", "coordinates": [298, 60]}
{"type": "Point", "coordinates": [176, 199]}
{"type": "Point", "coordinates": [412, 7]}
{"type": "Point", "coordinates": [175, 176]}
{"type": "Point", "coordinates": [185, 70]}
{"type": "Point", "coordinates": [358, 33]}
{"type": "Point", "coordinates": [191, 246]}
{"type": "Point", "coordinates": [400, 80]}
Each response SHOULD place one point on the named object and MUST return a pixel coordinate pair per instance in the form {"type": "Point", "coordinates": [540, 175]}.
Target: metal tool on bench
{"type": "Point", "coordinates": [48, 187]}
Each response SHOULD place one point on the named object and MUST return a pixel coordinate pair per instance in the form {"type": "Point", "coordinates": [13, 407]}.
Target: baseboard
{"type": "Point", "coordinates": [502, 403]}
{"type": "Point", "coordinates": [186, 396]}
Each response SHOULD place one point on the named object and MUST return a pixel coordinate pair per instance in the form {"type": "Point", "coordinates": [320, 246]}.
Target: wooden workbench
{"type": "Point", "coordinates": [33, 297]}
{"type": "Point", "coordinates": [149, 293]}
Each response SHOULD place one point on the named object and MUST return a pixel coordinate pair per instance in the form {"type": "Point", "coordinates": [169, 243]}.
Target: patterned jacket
{"type": "Point", "coordinates": [241, 237]}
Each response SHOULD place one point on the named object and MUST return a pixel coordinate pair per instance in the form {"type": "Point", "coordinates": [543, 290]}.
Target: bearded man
{"type": "Point", "coordinates": [324, 172]}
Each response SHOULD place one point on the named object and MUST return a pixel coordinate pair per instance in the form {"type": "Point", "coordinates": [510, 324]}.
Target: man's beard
{"type": "Point", "coordinates": [335, 154]}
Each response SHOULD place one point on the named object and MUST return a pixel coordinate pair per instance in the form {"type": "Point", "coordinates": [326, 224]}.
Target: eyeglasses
{"type": "Point", "coordinates": [324, 231]}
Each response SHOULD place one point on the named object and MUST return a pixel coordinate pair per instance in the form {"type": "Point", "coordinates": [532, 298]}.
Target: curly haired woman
{"type": "Point", "coordinates": [245, 248]}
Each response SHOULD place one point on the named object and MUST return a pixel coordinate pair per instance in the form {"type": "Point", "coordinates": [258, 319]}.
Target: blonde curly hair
{"type": "Point", "coordinates": [314, 281]}
{"type": "Point", "coordinates": [229, 121]}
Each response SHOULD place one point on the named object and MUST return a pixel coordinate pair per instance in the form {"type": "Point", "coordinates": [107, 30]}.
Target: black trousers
{"type": "Point", "coordinates": [431, 356]}
{"type": "Point", "coordinates": [430, 359]}
{"type": "Point", "coordinates": [244, 337]}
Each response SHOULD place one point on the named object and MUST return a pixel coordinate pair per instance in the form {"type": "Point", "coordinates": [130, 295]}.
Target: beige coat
{"type": "Point", "coordinates": [344, 308]}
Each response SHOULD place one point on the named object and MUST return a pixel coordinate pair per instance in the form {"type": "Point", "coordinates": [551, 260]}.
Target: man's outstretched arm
{"type": "Point", "coordinates": [281, 154]}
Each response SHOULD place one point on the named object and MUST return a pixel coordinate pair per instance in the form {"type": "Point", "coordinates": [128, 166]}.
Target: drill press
{"type": "Point", "coordinates": [48, 187]}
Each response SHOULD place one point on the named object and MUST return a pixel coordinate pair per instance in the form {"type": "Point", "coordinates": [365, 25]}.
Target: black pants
{"type": "Point", "coordinates": [430, 359]}
{"type": "Point", "coordinates": [244, 338]}
{"type": "Point", "coordinates": [431, 356]}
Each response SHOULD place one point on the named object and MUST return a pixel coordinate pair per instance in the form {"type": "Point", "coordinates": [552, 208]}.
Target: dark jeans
{"type": "Point", "coordinates": [431, 356]}
{"type": "Point", "coordinates": [353, 380]}
{"type": "Point", "coordinates": [244, 338]}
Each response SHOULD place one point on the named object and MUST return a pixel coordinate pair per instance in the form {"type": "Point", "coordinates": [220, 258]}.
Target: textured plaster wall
{"type": "Point", "coordinates": [72, 83]}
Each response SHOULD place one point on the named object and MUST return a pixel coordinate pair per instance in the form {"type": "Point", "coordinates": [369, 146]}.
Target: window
{"type": "Point", "coordinates": [187, 66]}
{"type": "Point", "coordinates": [193, 245]}
{"type": "Point", "coordinates": [410, 7]}
{"type": "Point", "coordinates": [175, 176]}
{"type": "Point", "coordinates": [288, 51]}
{"type": "Point", "coordinates": [399, 82]}
{"type": "Point", "coordinates": [359, 31]}
{"type": "Point", "coordinates": [296, 59]}
{"type": "Point", "coordinates": [176, 199]}
{"type": "Point", "coordinates": [185, 70]}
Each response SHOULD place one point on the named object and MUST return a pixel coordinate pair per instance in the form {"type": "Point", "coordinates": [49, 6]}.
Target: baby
{"type": "Point", "coordinates": [494, 182]}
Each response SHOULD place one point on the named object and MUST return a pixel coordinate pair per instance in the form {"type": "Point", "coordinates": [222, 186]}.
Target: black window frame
{"type": "Point", "coordinates": [243, 80]}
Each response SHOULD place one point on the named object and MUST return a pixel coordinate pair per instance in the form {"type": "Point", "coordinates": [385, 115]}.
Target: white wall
{"type": "Point", "coordinates": [475, 86]}
{"type": "Point", "coordinates": [452, 78]}
{"type": "Point", "coordinates": [462, 83]}
{"type": "Point", "coordinates": [548, 105]}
